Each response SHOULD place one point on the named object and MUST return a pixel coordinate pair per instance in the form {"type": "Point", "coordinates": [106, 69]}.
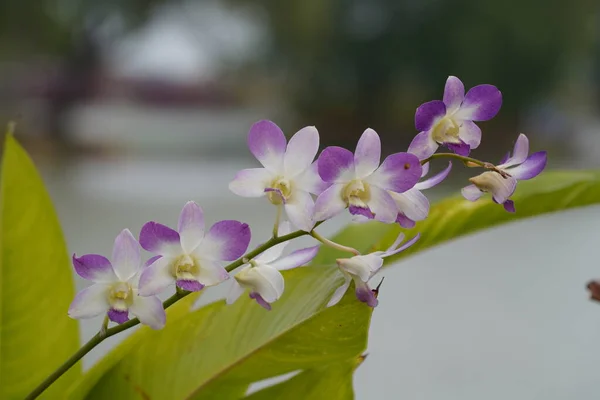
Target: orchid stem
{"type": "Point", "coordinates": [466, 160]}
{"type": "Point", "coordinates": [333, 245]}
{"type": "Point", "coordinates": [106, 333]}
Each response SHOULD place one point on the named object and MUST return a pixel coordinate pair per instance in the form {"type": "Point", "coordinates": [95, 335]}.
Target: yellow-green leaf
{"type": "Point", "coordinates": [36, 282]}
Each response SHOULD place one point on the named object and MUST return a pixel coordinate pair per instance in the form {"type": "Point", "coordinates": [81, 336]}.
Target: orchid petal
{"type": "Point", "coordinates": [267, 143]}
{"type": "Point", "coordinates": [361, 211]}
{"type": "Point", "coordinates": [470, 134]}
{"type": "Point", "coordinates": [329, 203]}
{"type": "Point", "coordinates": [191, 226]}
{"type": "Point", "coordinates": [500, 187]}
{"type": "Point", "coordinates": [264, 280]}
{"type": "Point", "coordinates": [392, 250]}
{"type": "Point", "coordinates": [310, 181]}
{"type": "Point", "coordinates": [423, 145]}
{"type": "Point", "coordinates": [454, 94]}
{"type": "Point", "coordinates": [336, 165]}
{"type": "Point", "coordinates": [273, 253]}
{"type": "Point", "coordinates": [156, 277]}
{"type": "Point", "coordinates": [531, 168]}
{"type": "Point", "coordinates": [365, 294]}
{"type": "Point", "coordinates": [160, 239]}
{"type": "Point", "coordinates": [412, 203]}
{"type": "Point", "coordinates": [90, 302]}
{"type": "Point", "coordinates": [296, 259]}
{"type": "Point", "coordinates": [189, 284]}
{"type": "Point", "coordinates": [339, 292]}
{"type": "Point", "coordinates": [368, 153]}
{"type": "Point", "coordinates": [226, 240]}
{"type": "Point", "coordinates": [211, 273]}
{"type": "Point", "coordinates": [520, 153]}
{"type": "Point", "coordinates": [118, 316]}
{"type": "Point", "coordinates": [481, 103]}
{"type": "Point", "coordinates": [94, 267]}
{"type": "Point", "coordinates": [425, 169]}
{"type": "Point", "coordinates": [235, 291]}
{"type": "Point", "coordinates": [149, 310]}
{"type": "Point", "coordinates": [362, 267]}
{"type": "Point", "coordinates": [299, 209]}
{"type": "Point", "coordinates": [399, 172]}
{"type": "Point", "coordinates": [126, 257]}
{"type": "Point", "coordinates": [434, 180]}
{"type": "Point", "coordinates": [404, 221]}
{"type": "Point", "coordinates": [260, 300]}
{"type": "Point", "coordinates": [382, 205]}
{"type": "Point", "coordinates": [471, 193]}
{"type": "Point", "coordinates": [428, 114]}
{"type": "Point", "coordinates": [462, 149]}
{"type": "Point", "coordinates": [509, 206]}
{"type": "Point", "coordinates": [251, 182]}
{"type": "Point", "coordinates": [301, 151]}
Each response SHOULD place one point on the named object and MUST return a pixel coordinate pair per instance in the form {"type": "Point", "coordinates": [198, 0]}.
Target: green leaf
{"type": "Point", "coordinates": [333, 380]}
{"type": "Point", "coordinates": [36, 282]}
{"type": "Point", "coordinates": [217, 351]}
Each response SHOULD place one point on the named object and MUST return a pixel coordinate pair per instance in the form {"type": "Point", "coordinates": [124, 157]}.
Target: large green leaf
{"type": "Point", "coordinates": [36, 283]}
{"type": "Point", "coordinates": [217, 351]}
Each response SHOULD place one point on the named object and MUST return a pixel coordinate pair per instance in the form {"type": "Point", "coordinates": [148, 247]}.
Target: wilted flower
{"type": "Point", "coordinates": [362, 268]}
{"type": "Point", "coordinates": [360, 183]}
{"type": "Point", "coordinates": [289, 175]}
{"type": "Point", "coordinates": [450, 122]}
{"type": "Point", "coordinates": [516, 168]}
{"type": "Point", "coordinates": [412, 204]}
{"type": "Point", "coordinates": [115, 288]}
{"type": "Point", "coordinates": [190, 257]}
{"type": "Point", "coordinates": [261, 275]}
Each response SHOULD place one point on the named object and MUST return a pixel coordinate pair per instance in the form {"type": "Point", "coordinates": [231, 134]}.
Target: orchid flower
{"type": "Point", "coordinates": [188, 256]}
{"type": "Point", "coordinates": [261, 275]}
{"type": "Point", "coordinates": [362, 268]}
{"type": "Point", "coordinates": [517, 167]}
{"type": "Point", "coordinates": [451, 122]}
{"type": "Point", "coordinates": [115, 288]}
{"type": "Point", "coordinates": [413, 205]}
{"type": "Point", "coordinates": [359, 183]}
{"type": "Point", "coordinates": [289, 175]}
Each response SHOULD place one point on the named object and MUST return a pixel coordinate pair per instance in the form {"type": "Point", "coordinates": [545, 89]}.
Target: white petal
{"type": "Point", "coordinates": [211, 273]}
{"type": "Point", "coordinates": [412, 203]}
{"type": "Point", "coordinates": [434, 180]}
{"type": "Point", "coordinates": [394, 249]}
{"type": "Point", "coordinates": [299, 209]}
{"type": "Point", "coordinates": [126, 258]}
{"type": "Point", "coordinates": [235, 291]}
{"type": "Point", "coordinates": [520, 152]}
{"type": "Point", "coordinates": [156, 277]}
{"type": "Point", "coordinates": [301, 151]}
{"type": "Point", "coordinates": [382, 205]}
{"type": "Point", "coordinates": [90, 302]}
{"type": "Point", "coordinates": [329, 203]}
{"type": "Point", "coordinates": [471, 193]}
{"type": "Point", "coordinates": [423, 145]}
{"type": "Point", "coordinates": [310, 181]}
{"type": "Point", "coordinates": [191, 226]}
{"type": "Point", "coordinates": [425, 170]}
{"type": "Point", "coordinates": [273, 253]}
{"type": "Point", "coordinates": [470, 133]}
{"type": "Point", "coordinates": [296, 259]}
{"type": "Point", "coordinates": [501, 188]}
{"type": "Point", "coordinates": [362, 267]}
{"type": "Point", "coordinates": [264, 280]}
{"type": "Point", "coordinates": [368, 153]}
{"type": "Point", "coordinates": [339, 292]}
{"type": "Point", "coordinates": [149, 311]}
{"type": "Point", "coordinates": [251, 182]}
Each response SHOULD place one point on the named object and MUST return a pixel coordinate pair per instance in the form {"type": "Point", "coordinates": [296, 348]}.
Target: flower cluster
{"type": "Point", "coordinates": [311, 188]}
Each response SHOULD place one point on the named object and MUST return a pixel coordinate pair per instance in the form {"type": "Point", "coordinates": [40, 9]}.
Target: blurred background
{"type": "Point", "coordinates": [132, 107]}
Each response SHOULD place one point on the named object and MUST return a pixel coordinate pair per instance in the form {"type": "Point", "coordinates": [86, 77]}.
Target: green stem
{"type": "Point", "coordinates": [277, 218]}
{"type": "Point", "coordinates": [334, 245]}
{"type": "Point", "coordinates": [482, 164]}
{"type": "Point", "coordinates": [106, 333]}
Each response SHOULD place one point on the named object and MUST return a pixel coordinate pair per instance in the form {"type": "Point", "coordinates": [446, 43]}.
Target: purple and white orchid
{"type": "Point", "coordinates": [189, 257]}
{"type": "Point", "coordinates": [518, 167]}
{"type": "Point", "coordinates": [450, 121]}
{"type": "Point", "coordinates": [413, 205]}
{"type": "Point", "coordinates": [362, 268]}
{"type": "Point", "coordinates": [359, 183]}
{"type": "Point", "coordinates": [289, 175]}
{"type": "Point", "coordinates": [115, 288]}
{"type": "Point", "coordinates": [261, 275]}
